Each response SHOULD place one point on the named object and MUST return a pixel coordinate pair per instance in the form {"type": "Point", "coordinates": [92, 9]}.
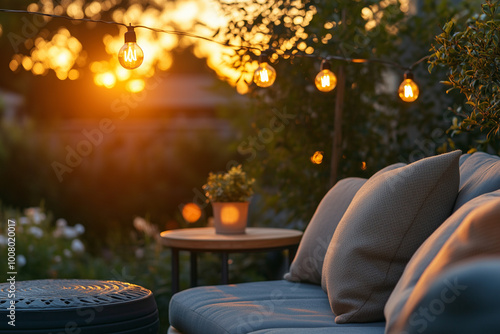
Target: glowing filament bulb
{"type": "Point", "coordinates": [325, 81]}
{"type": "Point", "coordinates": [265, 74]}
{"type": "Point", "coordinates": [130, 55]}
{"type": "Point", "coordinates": [408, 90]}
{"type": "Point", "coordinates": [317, 157]}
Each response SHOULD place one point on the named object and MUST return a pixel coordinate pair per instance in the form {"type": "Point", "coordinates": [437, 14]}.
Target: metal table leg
{"type": "Point", "coordinates": [194, 269]}
{"type": "Point", "coordinates": [225, 269]}
{"type": "Point", "coordinates": [175, 270]}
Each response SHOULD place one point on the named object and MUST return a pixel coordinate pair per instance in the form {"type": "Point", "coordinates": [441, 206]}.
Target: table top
{"type": "Point", "coordinates": [205, 239]}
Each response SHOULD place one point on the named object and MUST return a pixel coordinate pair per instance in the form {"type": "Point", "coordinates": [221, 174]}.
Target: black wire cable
{"type": "Point", "coordinates": [172, 32]}
{"type": "Point", "coordinates": [20, 11]}
{"type": "Point", "coordinates": [237, 47]}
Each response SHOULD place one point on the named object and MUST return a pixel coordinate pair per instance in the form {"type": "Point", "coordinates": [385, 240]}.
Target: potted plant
{"type": "Point", "coordinates": [229, 194]}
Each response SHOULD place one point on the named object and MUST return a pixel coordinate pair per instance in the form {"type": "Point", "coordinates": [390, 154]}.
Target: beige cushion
{"type": "Point", "coordinates": [477, 237]}
{"type": "Point", "coordinates": [426, 253]}
{"type": "Point", "coordinates": [388, 219]}
{"type": "Point", "coordinates": [308, 263]}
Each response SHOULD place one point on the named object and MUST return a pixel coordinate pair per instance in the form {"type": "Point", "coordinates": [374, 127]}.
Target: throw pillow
{"type": "Point", "coordinates": [477, 237]}
{"type": "Point", "coordinates": [425, 254]}
{"type": "Point", "coordinates": [308, 262]}
{"type": "Point", "coordinates": [479, 174]}
{"type": "Point", "coordinates": [388, 219]}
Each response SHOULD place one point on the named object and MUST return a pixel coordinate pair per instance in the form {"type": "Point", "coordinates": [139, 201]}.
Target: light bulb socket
{"type": "Point", "coordinates": [326, 65]}
{"type": "Point", "coordinates": [408, 75]}
{"type": "Point", "coordinates": [130, 36]}
{"type": "Point", "coordinates": [264, 57]}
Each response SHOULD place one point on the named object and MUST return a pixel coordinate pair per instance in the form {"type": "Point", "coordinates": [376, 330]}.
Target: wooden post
{"type": "Point", "coordinates": [337, 134]}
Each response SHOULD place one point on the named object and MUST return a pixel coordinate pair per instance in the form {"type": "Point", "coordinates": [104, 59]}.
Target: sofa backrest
{"type": "Point", "coordinates": [479, 174]}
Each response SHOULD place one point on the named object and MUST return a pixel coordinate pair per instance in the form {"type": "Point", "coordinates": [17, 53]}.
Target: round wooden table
{"type": "Point", "coordinates": [204, 239]}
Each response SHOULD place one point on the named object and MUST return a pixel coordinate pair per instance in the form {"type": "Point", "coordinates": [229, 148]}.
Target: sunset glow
{"type": "Point", "coordinates": [63, 53]}
{"type": "Point", "coordinates": [60, 54]}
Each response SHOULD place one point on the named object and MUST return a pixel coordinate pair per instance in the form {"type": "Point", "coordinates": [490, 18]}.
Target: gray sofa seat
{"type": "Point", "coordinates": [323, 330]}
{"type": "Point", "coordinates": [271, 307]}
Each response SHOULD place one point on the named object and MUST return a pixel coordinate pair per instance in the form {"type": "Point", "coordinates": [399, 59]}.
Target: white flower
{"type": "Point", "coordinates": [69, 232]}
{"type": "Point", "coordinates": [61, 222]}
{"type": "Point", "coordinates": [77, 246]}
{"type": "Point", "coordinates": [30, 212]}
{"type": "Point", "coordinates": [79, 228]}
{"type": "Point", "coordinates": [3, 240]}
{"type": "Point", "coordinates": [36, 214]}
{"type": "Point", "coordinates": [24, 220]}
{"type": "Point", "coordinates": [36, 231]}
{"type": "Point", "coordinates": [140, 224]}
{"type": "Point", "coordinates": [67, 252]}
{"type": "Point", "coordinates": [21, 260]}
{"type": "Point", "coordinates": [57, 259]}
{"type": "Point", "coordinates": [39, 217]}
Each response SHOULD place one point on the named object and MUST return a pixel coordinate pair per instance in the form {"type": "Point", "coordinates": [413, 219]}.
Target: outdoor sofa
{"type": "Point", "coordinates": [413, 249]}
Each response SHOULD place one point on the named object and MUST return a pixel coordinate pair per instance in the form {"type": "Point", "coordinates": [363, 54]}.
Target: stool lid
{"type": "Point", "coordinates": [53, 304]}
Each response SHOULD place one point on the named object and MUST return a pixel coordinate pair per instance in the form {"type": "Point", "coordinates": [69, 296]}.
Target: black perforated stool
{"type": "Point", "coordinates": [78, 306]}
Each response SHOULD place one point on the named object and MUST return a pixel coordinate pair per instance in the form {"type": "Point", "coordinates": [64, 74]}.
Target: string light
{"type": "Point", "coordinates": [325, 81]}
{"type": "Point", "coordinates": [130, 55]}
{"type": "Point", "coordinates": [191, 213]}
{"type": "Point", "coordinates": [317, 157]}
{"type": "Point", "coordinates": [408, 90]}
{"type": "Point", "coordinates": [265, 74]}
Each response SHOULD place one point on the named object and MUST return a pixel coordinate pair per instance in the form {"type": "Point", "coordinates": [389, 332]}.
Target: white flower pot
{"type": "Point", "coordinates": [230, 217]}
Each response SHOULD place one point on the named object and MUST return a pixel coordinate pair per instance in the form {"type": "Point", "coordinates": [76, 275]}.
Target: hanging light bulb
{"type": "Point", "coordinates": [325, 80]}
{"type": "Point", "coordinates": [265, 74]}
{"type": "Point", "coordinates": [130, 55]}
{"type": "Point", "coordinates": [317, 157]}
{"type": "Point", "coordinates": [408, 90]}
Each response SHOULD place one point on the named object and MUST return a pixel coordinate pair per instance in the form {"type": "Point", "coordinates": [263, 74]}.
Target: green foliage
{"type": "Point", "coordinates": [232, 186]}
{"type": "Point", "coordinates": [24, 165]}
{"type": "Point", "coordinates": [471, 53]}
{"type": "Point", "coordinates": [291, 120]}
{"type": "Point", "coordinates": [151, 177]}
{"type": "Point", "coordinates": [63, 251]}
